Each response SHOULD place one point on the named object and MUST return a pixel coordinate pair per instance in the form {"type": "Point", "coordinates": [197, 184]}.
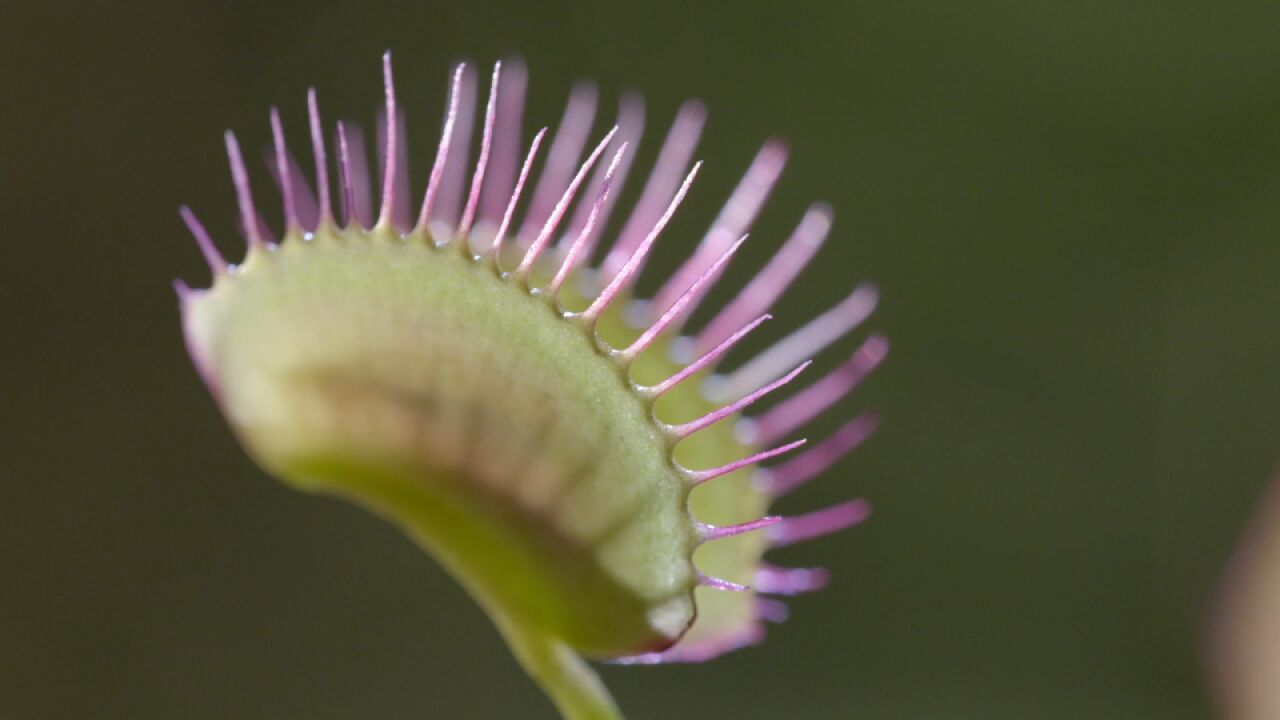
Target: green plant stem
{"type": "Point", "coordinates": [574, 688]}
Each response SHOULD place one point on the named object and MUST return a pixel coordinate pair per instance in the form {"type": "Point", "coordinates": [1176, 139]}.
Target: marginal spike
{"type": "Point", "coordinates": [325, 213]}
{"type": "Point", "coordinates": [495, 249]}
{"type": "Point", "coordinates": [628, 271]}
{"type": "Point", "coordinates": [790, 581]}
{"type": "Point", "coordinates": [735, 219]}
{"type": "Point", "coordinates": [719, 532]}
{"type": "Point", "coordinates": [770, 610]}
{"type": "Point", "coordinates": [566, 147]}
{"type": "Point", "coordinates": [686, 429]}
{"type": "Point", "coordinates": [504, 160]}
{"type": "Point", "coordinates": [783, 478]}
{"type": "Point", "coordinates": [706, 360]}
{"type": "Point", "coordinates": [284, 174]}
{"type": "Point", "coordinates": [486, 139]}
{"type": "Point", "coordinates": [630, 129]}
{"type": "Point", "coordinates": [244, 193]}
{"type": "Point", "coordinates": [664, 180]}
{"type": "Point", "coordinates": [442, 150]}
{"type": "Point", "coordinates": [456, 165]}
{"type": "Point", "coordinates": [788, 415]}
{"type": "Point", "coordinates": [303, 199]}
{"type": "Point", "coordinates": [716, 583]}
{"type": "Point", "coordinates": [769, 284]}
{"type": "Point", "coordinates": [812, 525]}
{"type": "Point", "coordinates": [549, 228]}
{"type": "Point", "coordinates": [204, 241]}
{"type": "Point", "coordinates": [346, 170]}
{"type": "Point", "coordinates": [580, 245]}
{"type": "Point", "coordinates": [389, 152]}
{"type": "Point", "coordinates": [661, 324]}
{"type": "Point", "coordinates": [697, 477]}
{"type": "Point", "coordinates": [803, 343]}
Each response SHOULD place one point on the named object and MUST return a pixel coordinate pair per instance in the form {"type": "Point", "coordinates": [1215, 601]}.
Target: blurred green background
{"type": "Point", "coordinates": [1071, 210]}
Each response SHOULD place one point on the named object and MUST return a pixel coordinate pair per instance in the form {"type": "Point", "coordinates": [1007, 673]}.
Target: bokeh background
{"type": "Point", "coordinates": [1071, 210]}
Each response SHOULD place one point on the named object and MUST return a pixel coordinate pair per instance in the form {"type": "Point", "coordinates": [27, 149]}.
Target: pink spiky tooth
{"type": "Point", "coordinates": [769, 284]}
{"type": "Point", "coordinates": [448, 209]}
{"type": "Point", "coordinates": [697, 477]}
{"type": "Point", "coordinates": [482, 163]}
{"type": "Point", "coordinates": [711, 533]}
{"type": "Point", "coordinates": [704, 362]}
{"type": "Point", "coordinates": [251, 224]}
{"type": "Point", "coordinates": [733, 408]}
{"type": "Point", "coordinates": [539, 243]}
{"type": "Point", "coordinates": [324, 210]}
{"type": "Point", "coordinates": [716, 583]}
{"type": "Point", "coordinates": [566, 147]}
{"type": "Point", "coordinates": [495, 247]}
{"type": "Point", "coordinates": [790, 581]}
{"type": "Point", "coordinates": [734, 220]}
{"type": "Point", "coordinates": [792, 413]}
{"type": "Point", "coordinates": [770, 610]}
{"type": "Point", "coordinates": [700, 652]}
{"type": "Point", "coordinates": [630, 125]}
{"type": "Point", "coordinates": [803, 343]}
{"type": "Point", "coordinates": [626, 274]}
{"type": "Point", "coordinates": [660, 188]}
{"type": "Point", "coordinates": [689, 297]}
{"type": "Point", "coordinates": [787, 476]}
{"type": "Point", "coordinates": [504, 162]}
{"type": "Point", "coordinates": [580, 245]}
{"type": "Point", "coordinates": [442, 151]}
{"type": "Point", "coordinates": [203, 241]}
{"type": "Point", "coordinates": [791, 530]}
{"type": "Point", "coordinates": [353, 165]}
{"type": "Point", "coordinates": [390, 156]}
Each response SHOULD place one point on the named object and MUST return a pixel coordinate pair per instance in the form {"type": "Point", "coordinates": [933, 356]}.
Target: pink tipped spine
{"type": "Point", "coordinates": [629, 270]}
{"type": "Point", "coordinates": [244, 193]}
{"type": "Point", "coordinates": [566, 147]}
{"type": "Point", "coordinates": [630, 129]}
{"type": "Point", "coordinates": [673, 158]}
{"type": "Point", "coordinates": [790, 581]}
{"type": "Point", "coordinates": [735, 407]}
{"type": "Point", "coordinates": [449, 200]}
{"type": "Point", "coordinates": [735, 219]}
{"type": "Point", "coordinates": [580, 245]}
{"type": "Point", "coordinates": [325, 211]}
{"type": "Point", "coordinates": [386, 215]}
{"type": "Point", "coordinates": [486, 139]}
{"type": "Point", "coordinates": [769, 284]}
{"type": "Point", "coordinates": [495, 249]}
{"type": "Point", "coordinates": [793, 473]}
{"type": "Point", "coordinates": [505, 158]}
{"type": "Point", "coordinates": [680, 305]}
{"type": "Point", "coordinates": [716, 583]}
{"type": "Point", "coordinates": [203, 241]}
{"type": "Point", "coordinates": [800, 408]}
{"type": "Point", "coordinates": [697, 477]}
{"type": "Point", "coordinates": [710, 533]}
{"type": "Point", "coordinates": [805, 342]}
{"type": "Point", "coordinates": [442, 150]}
{"type": "Point", "coordinates": [816, 524]}
{"type": "Point", "coordinates": [350, 209]}
{"type": "Point", "coordinates": [706, 360]}
{"type": "Point", "coordinates": [284, 173]}
{"type": "Point", "coordinates": [549, 228]}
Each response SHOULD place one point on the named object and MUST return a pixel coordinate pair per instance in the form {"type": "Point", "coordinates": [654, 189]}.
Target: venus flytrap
{"type": "Point", "coordinates": [477, 383]}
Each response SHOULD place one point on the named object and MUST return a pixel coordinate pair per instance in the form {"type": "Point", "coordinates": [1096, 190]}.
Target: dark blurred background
{"type": "Point", "coordinates": [1071, 210]}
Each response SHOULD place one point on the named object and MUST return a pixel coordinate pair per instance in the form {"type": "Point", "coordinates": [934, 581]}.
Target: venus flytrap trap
{"type": "Point", "coordinates": [479, 382]}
